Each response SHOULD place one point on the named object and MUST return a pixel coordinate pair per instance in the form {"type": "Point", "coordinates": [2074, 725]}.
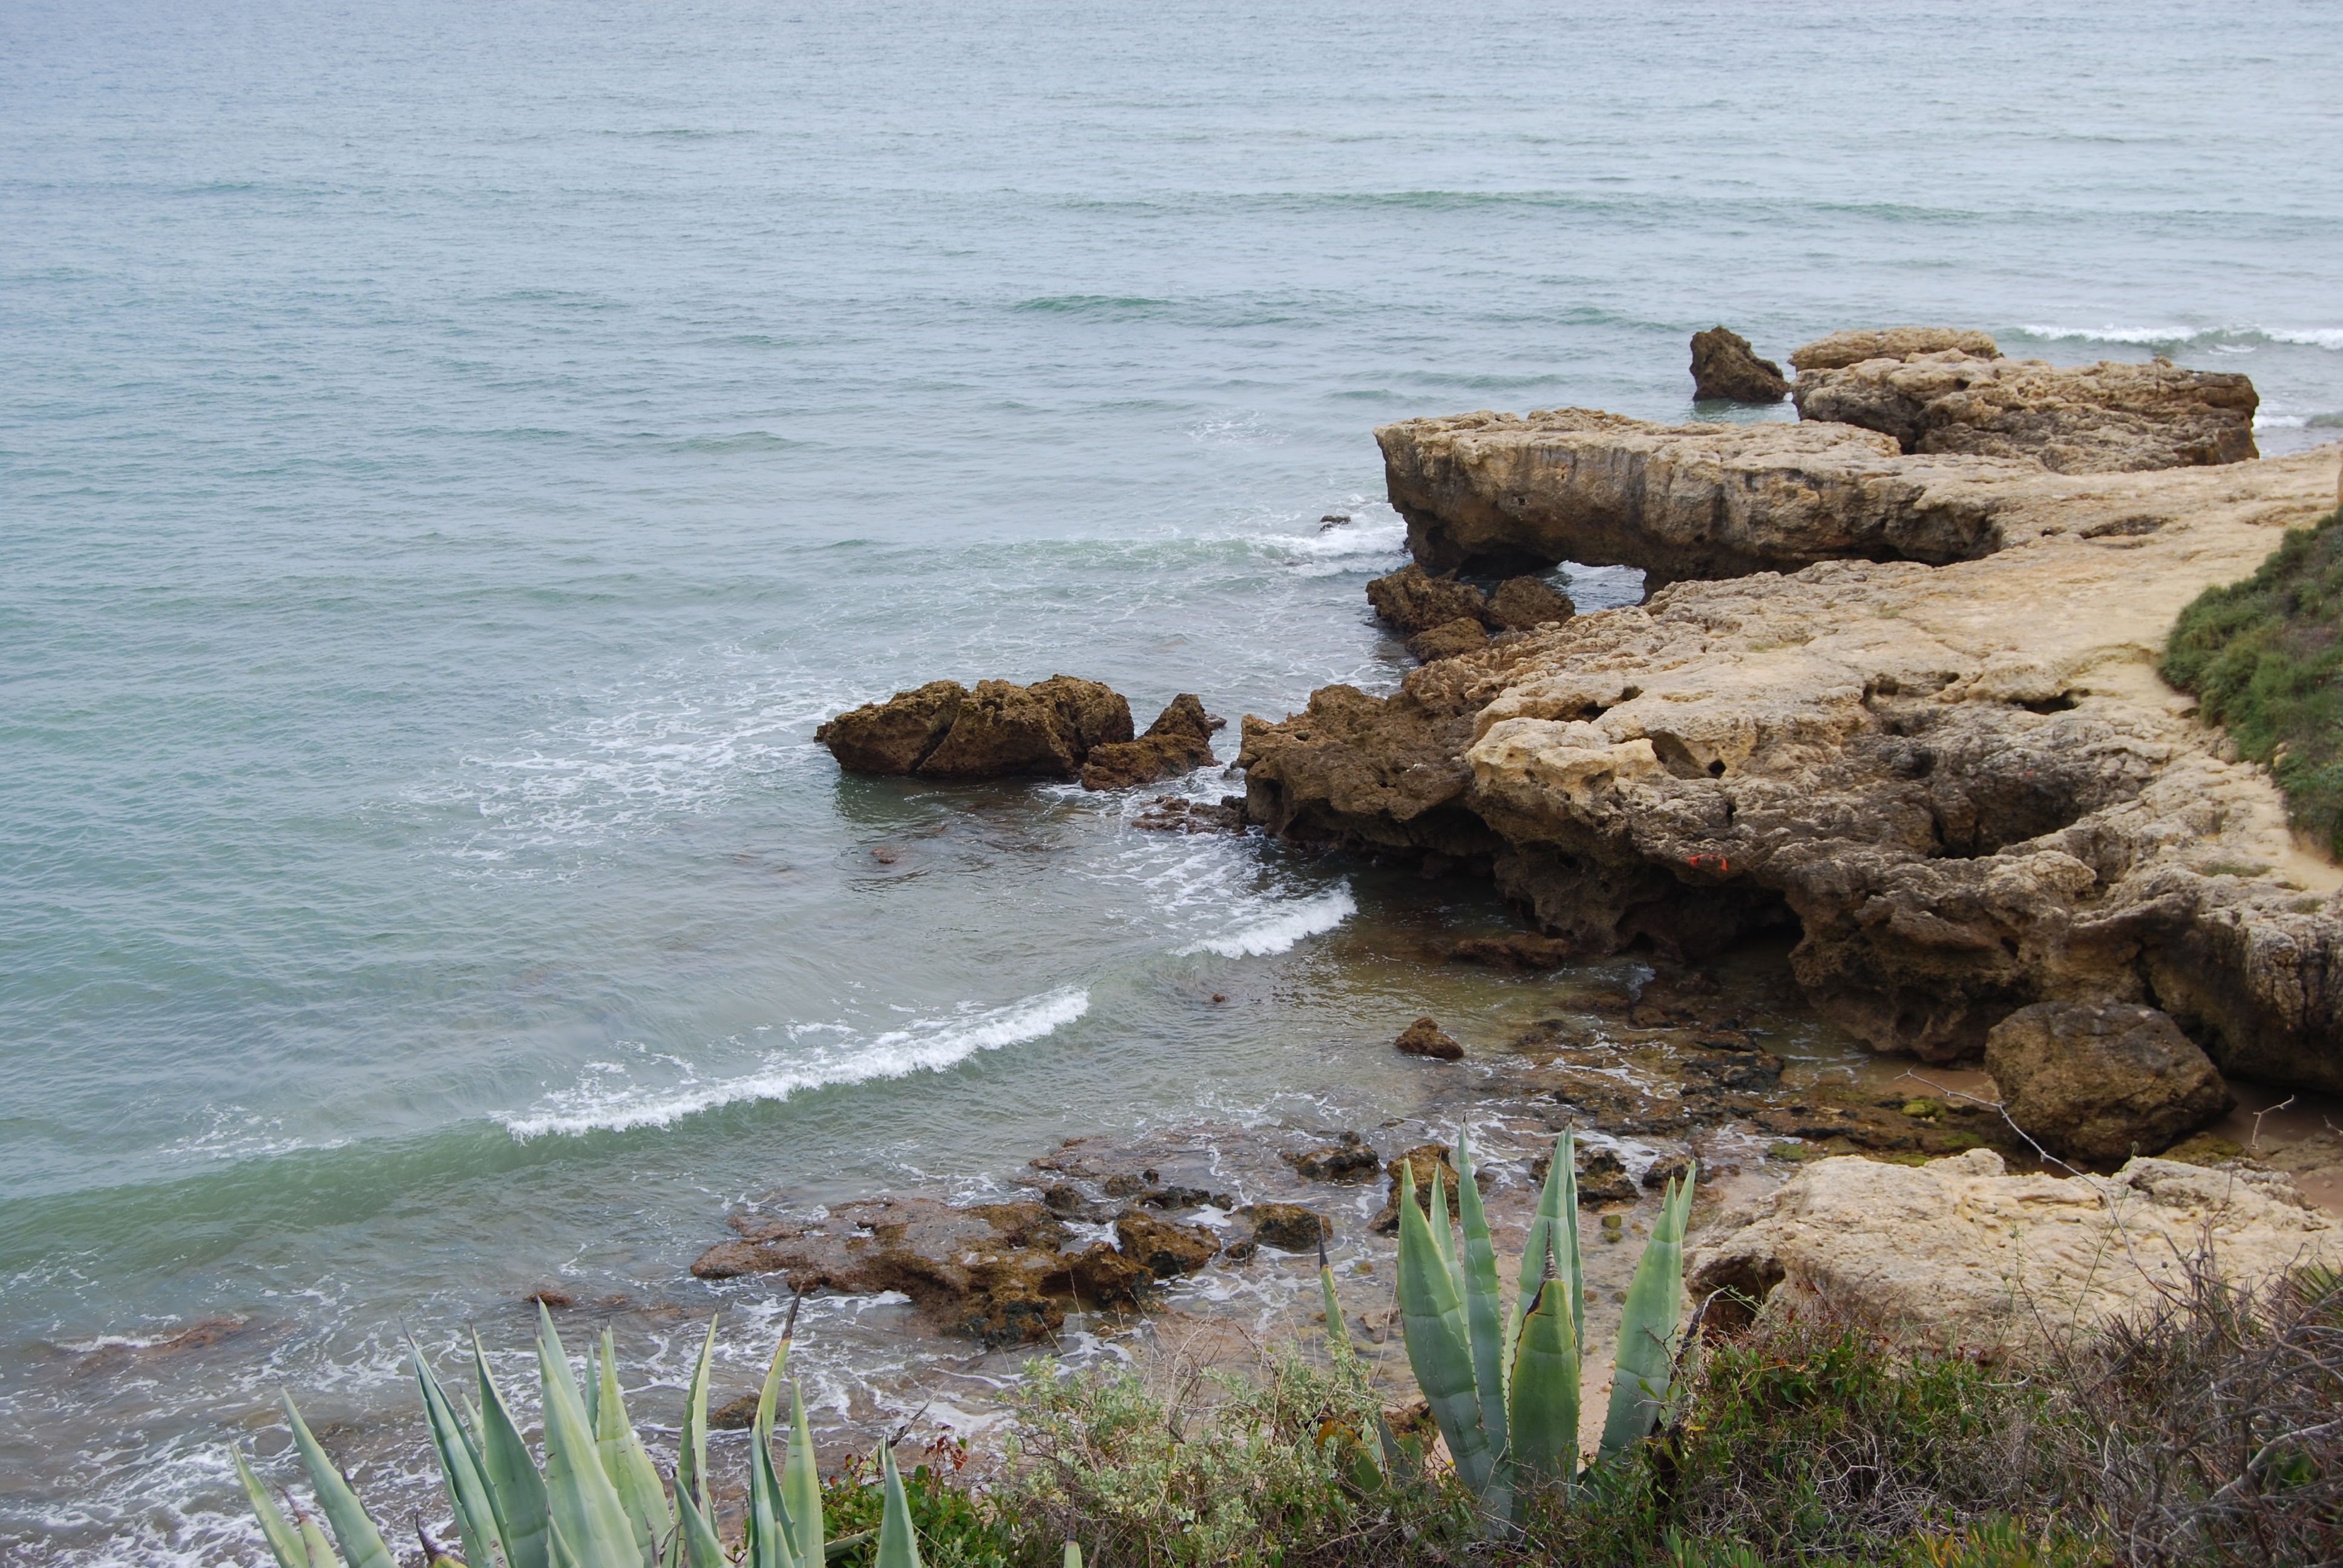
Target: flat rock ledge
{"type": "Point", "coordinates": [1962, 786]}
{"type": "Point", "coordinates": [1959, 1252]}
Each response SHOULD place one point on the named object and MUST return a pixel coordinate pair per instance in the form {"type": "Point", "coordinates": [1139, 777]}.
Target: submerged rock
{"type": "Point", "coordinates": [1522, 951]}
{"type": "Point", "coordinates": [1960, 1252]}
{"type": "Point", "coordinates": [1423, 1038]}
{"type": "Point", "coordinates": [1962, 788]}
{"type": "Point", "coordinates": [1724, 368]}
{"type": "Point", "coordinates": [2102, 1083]}
{"type": "Point", "coordinates": [1347, 1158]}
{"type": "Point", "coordinates": [2108, 417]}
{"type": "Point", "coordinates": [943, 730]}
{"type": "Point", "coordinates": [1851, 347]}
{"type": "Point", "coordinates": [1178, 741]}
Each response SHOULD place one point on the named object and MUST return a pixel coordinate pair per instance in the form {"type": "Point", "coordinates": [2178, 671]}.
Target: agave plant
{"type": "Point", "coordinates": [597, 1502]}
{"type": "Point", "coordinates": [1503, 1382]}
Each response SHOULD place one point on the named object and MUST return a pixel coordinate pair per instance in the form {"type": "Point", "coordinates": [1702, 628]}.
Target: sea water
{"type": "Point", "coordinates": [451, 457]}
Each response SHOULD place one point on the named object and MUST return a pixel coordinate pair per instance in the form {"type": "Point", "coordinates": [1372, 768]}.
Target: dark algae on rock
{"type": "Point", "coordinates": [2265, 657]}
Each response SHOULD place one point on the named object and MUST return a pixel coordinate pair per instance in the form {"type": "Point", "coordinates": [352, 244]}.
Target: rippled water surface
{"type": "Point", "coordinates": [452, 454]}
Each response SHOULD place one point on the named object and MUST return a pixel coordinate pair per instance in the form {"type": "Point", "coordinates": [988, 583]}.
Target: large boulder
{"type": "Point", "coordinates": [1424, 1037]}
{"type": "Point", "coordinates": [1412, 600]}
{"type": "Point", "coordinates": [2108, 417]}
{"type": "Point", "coordinates": [942, 730]}
{"type": "Point", "coordinates": [1442, 617]}
{"type": "Point", "coordinates": [2102, 1083]}
{"type": "Point", "coordinates": [1853, 348]}
{"type": "Point", "coordinates": [1962, 1252]}
{"type": "Point", "coordinates": [1724, 367]}
{"type": "Point", "coordinates": [1961, 788]}
{"type": "Point", "coordinates": [1179, 741]}
{"type": "Point", "coordinates": [1505, 493]}
{"type": "Point", "coordinates": [1526, 603]}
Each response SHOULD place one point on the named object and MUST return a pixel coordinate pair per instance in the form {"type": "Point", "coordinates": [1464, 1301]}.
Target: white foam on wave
{"type": "Point", "coordinates": [1278, 933]}
{"type": "Point", "coordinates": [2328, 337]}
{"type": "Point", "coordinates": [1374, 531]}
{"type": "Point", "coordinates": [604, 1101]}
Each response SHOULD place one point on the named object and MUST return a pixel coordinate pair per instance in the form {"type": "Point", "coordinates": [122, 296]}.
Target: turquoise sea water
{"type": "Point", "coordinates": [452, 454]}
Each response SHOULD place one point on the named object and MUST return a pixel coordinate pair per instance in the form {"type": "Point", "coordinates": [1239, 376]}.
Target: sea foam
{"type": "Point", "coordinates": [928, 1044]}
{"type": "Point", "coordinates": [1280, 930]}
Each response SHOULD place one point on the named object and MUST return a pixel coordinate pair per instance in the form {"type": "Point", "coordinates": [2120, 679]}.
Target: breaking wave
{"type": "Point", "coordinates": [1279, 932]}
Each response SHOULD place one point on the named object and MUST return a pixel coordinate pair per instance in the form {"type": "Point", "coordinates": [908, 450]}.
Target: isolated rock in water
{"type": "Point", "coordinates": [2108, 417]}
{"type": "Point", "coordinates": [1509, 492]}
{"type": "Point", "coordinates": [2105, 1082]}
{"type": "Point", "coordinates": [894, 735]}
{"type": "Point", "coordinates": [1959, 1252]}
{"type": "Point", "coordinates": [1961, 788]}
{"type": "Point", "coordinates": [1423, 1038]}
{"type": "Point", "coordinates": [1844, 348]}
{"type": "Point", "coordinates": [1164, 1248]}
{"type": "Point", "coordinates": [1179, 741]}
{"type": "Point", "coordinates": [1411, 600]}
{"type": "Point", "coordinates": [1347, 1158]}
{"type": "Point", "coordinates": [1515, 952]}
{"type": "Point", "coordinates": [1449, 640]}
{"type": "Point", "coordinates": [1288, 1227]}
{"type": "Point", "coordinates": [1724, 367]}
{"type": "Point", "coordinates": [1526, 603]}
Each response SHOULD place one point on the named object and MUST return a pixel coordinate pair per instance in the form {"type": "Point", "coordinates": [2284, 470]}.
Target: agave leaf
{"type": "Point", "coordinates": [516, 1489]}
{"type": "Point", "coordinates": [1542, 1249]}
{"type": "Point", "coordinates": [1338, 1333]}
{"type": "Point", "coordinates": [771, 1533]}
{"type": "Point", "coordinates": [1439, 1349]}
{"type": "Point", "coordinates": [593, 1386]}
{"type": "Point", "coordinates": [1073, 1556]}
{"type": "Point", "coordinates": [1571, 1261]}
{"type": "Point", "coordinates": [695, 1535]}
{"type": "Point", "coordinates": [627, 1464]}
{"type": "Point", "coordinates": [691, 1450]}
{"type": "Point", "coordinates": [1441, 1230]}
{"type": "Point", "coordinates": [769, 1398]}
{"type": "Point", "coordinates": [313, 1543]}
{"type": "Point", "coordinates": [1485, 1312]}
{"type": "Point", "coordinates": [801, 1483]}
{"type": "Point", "coordinates": [1645, 1364]}
{"type": "Point", "coordinates": [360, 1542]}
{"type": "Point", "coordinates": [459, 1468]}
{"type": "Point", "coordinates": [846, 1545]}
{"type": "Point", "coordinates": [1545, 1389]}
{"type": "Point", "coordinates": [899, 1543]}
{"type": "Point", "coordinates": [284, 1541]}
{"type": "Point", "coordinates": [594, 1529]}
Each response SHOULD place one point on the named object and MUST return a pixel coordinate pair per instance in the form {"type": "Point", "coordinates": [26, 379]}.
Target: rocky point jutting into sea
{"type": "Point", "coordinates": [1897, 698]}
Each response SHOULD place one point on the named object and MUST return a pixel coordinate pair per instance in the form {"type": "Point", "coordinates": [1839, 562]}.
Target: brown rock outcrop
{"type": "Point", "coordinates": [1448, 639]}
{"type": "Point", "coordinates": [1510, 492]}
{"type": "Point", "coordinates": [1522, 950]}
{"type": "Point", "coordinates": [1960, 1252]}
{"type": "Point", "coordinates": [1165, 1248]}
{"type": "Point", "coordinates": [2102, 1083]}
{"type": "Point", "coordinates": [1412, 600]}
{"type": "Point", "coordinates": [1442, 617]}
{"type": "Point", "coordinates": [1962, 785]}
{"type": "Point", "coordinates": [943, 730]}
{"type": "Point", "coordinates": [1288, 1227]}
{"type": "Point", "coordinates": [1426, 1162]}
{"type": "Point", "coordinates": [1424, 1038]}
{"type": "Point", "coordinates": [1347, 1158]}
{"type": "Point", "coordinates": [1526, 603]}
{"type": "Point", "coordinates": [1178, 741]}
{"type": "Point", "coordinates": [1853, 348]}
{"type": "Point", "coordinates": [2108, 417]}
{"type": "Point", "coordinates": [1724, 367]}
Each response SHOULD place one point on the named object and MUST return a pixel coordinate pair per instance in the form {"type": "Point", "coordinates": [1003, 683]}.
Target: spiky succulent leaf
{"type": "Point", "coordinates": [801, 1483]}
{"type": "Point", "coordinates": [627, 1464]}
{"type": "Point", "coordinates": [1073, 1556]}
{"type": "Point", "coordinates": [594, 1529]}
{"type": "Point", "coordinates": [353, 1533]}
{"type": "Point", "coordinates": [1541, 1250]}
{"type": "Point", "coordinates": [769, 1398]}
{"type": "Point", "coordinates": [1645, 1364]}
{"type": "Point", "coordinates": [1484, 1309]}
{"type": "Point", "coordinates": [1439, 1349]}
{"type": "Point", "coordinates": [899, 1544]}
{"type": "Point", "coordinates": [459, 1468]}
{"type": "Point", "coordinates": [284, 1541]}
{"type": "Point", "coordinates": [696, 1534]}
{"type": "Point", "coordinates": [771, 1534]}
{"type": "Point", "coordinates": [516, 1489]}
{"type": "Point", "coordinates": [1544, 1394]}
{"type": "Point", "coordinates": [320, 1552]}
{"type": "Point", "coordinates": [691, 1450]}
{"type": "Point", "coordinates": [1441, 1230]}
{"type": "Point", "coordinates": [1338, 1333]}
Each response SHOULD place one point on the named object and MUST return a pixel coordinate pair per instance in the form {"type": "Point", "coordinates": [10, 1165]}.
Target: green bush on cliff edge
{"type": "Point", "coordinates": [2265, 658]}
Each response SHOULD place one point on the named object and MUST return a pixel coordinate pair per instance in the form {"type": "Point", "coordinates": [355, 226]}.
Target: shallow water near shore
{"type": "Point", "coordinates": [452, 458]}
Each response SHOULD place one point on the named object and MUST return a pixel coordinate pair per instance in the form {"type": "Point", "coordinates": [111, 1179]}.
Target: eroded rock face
{"type": "Point", "coordinates": [1448, 639]}
{"type": "Point", "coordinates": [1165, 1248]}
{"type": "Point", "coordinates": [1510, 492]}
{"type": "Point", "coordinates": [1724, 367]}
{"type": "Point", "coordinates": [2108, 417]}
{"type": "Point", "coordinates": [1960, 1252]}
{"type": "Point", "coordinates": [1442, 617]}
{"type": "Point", "coordinates": [1412, 600]}
{"type": "Point", "coordinates": [943, 730]}
{"type": "Point", "coordinates": [1844, 348]}
{"type": "Point", "coordinates": [1178, 741]}
{"type": "Point", "coordinates": [2102, 1083]}
{"type": "Point", "coordinates": [1962, 785]}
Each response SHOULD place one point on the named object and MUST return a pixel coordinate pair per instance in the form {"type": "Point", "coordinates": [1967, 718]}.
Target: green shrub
{"type": "Point", "coordinates": [2265, 658]}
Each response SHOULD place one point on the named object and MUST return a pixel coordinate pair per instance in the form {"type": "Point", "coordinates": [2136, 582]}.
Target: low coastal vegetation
{"type": "Point", "coordinates": [2265, 658]}
{"type": "Point", "coordinates": [2207, 1432]}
